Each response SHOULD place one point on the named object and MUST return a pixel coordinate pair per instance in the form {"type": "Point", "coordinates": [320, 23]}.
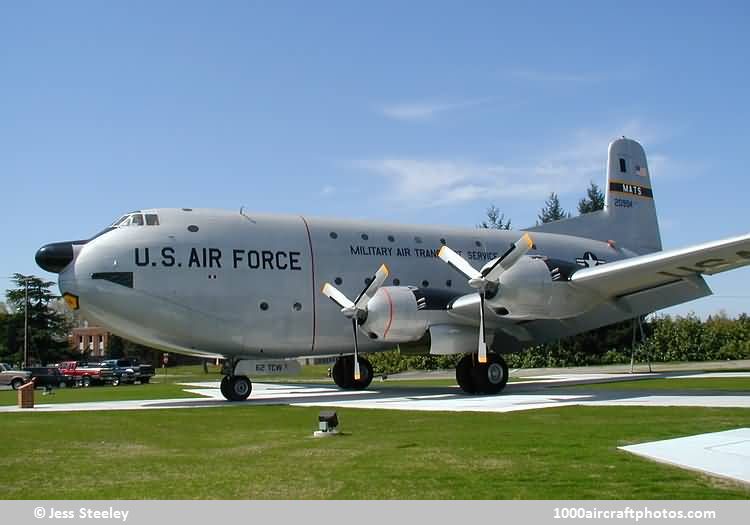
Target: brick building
{"type": "Point", "coordinates": [93, 340]}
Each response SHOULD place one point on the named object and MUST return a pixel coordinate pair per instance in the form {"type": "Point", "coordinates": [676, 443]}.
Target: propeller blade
{"type": "Point", "coordinates": [459, 263]}
{"type": "Point", "coordinates": [356, 350]}
{"type": "Point", "coordinates": [509, 258]}
{"type": "Point", "coordinates": [482, 350]}
{"type": "Point", "coordinates": [336, 296]}
{"type": "Point", "coordinates": [376, 281]}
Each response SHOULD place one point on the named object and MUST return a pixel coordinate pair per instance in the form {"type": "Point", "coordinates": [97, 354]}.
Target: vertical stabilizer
{"type": "Point", "coordinates": [630, 198]}
{"type": "Point", "coordinates": [629, 214]}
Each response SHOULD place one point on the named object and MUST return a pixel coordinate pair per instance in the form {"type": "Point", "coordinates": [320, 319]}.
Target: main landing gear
{"type": "Point", "coordinates": [234, 387]}
{"type": "Point", "coordinates": [343, 373]}
{"type": "Point", "coordinates": [482, 378]}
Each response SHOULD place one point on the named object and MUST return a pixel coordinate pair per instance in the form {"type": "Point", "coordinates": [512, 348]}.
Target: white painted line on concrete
{"type": "Point", "coordinates": [707, 375]}
{"type": "Point", "coordinates": [725, 454]}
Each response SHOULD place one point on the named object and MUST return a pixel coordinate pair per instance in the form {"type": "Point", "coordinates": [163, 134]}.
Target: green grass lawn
{"type": "Point", "coordinates": [731, 384]}
{"type": "Point", "coordinates": [268, 452]}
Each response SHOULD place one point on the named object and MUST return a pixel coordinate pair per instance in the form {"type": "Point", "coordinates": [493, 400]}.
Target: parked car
{"type": "Point", "coordinates": [50, 376]}
{"type": "Point", "coordinates": [13, 378]}
{"type": "Point", "coordinates": [87, 374]}
{"type": "Point", "coordinates": [128, 370]}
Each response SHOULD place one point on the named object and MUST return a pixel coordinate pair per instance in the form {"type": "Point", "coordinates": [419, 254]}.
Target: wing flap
{"type": "Point", "coordinates": [652, 270]}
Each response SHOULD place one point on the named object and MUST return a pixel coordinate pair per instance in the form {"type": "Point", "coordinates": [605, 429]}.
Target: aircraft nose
{"type": "Point", "coordinates": [54, 257]}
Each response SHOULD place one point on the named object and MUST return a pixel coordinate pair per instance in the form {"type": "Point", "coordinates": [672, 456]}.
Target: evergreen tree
{"type": "Point", "coordinates": [593, 201]}
{"type": "Point", "coordinates": [552, 210]}
{"type": "Point", "coordinates": [495, 220]}
{"type": "Point", "coordinates": [47, 330]}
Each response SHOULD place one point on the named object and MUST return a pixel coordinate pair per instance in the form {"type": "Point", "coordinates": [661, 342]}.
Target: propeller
{"type": "Point", "coordinates": [487, 278]}
{"type": "Point", "coordinates": [356, 310]}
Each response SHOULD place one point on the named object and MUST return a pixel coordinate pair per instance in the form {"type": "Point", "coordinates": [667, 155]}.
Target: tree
{"type": "Point", "coordinates": [495, 220]}
{"type": "Point", "coordinates": [552, 210]}
{"type": "Point", "coordinates": [593, 201]}
{"type": "Point", "coordinates": [47, 330]}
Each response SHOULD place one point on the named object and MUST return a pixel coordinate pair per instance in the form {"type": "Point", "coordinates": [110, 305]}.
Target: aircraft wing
{"type": "Point", "coordinates": [649, 271]}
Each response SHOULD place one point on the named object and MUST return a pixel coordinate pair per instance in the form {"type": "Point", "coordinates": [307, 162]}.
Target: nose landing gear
{"type": "Point", "coordinates": [482, 378]}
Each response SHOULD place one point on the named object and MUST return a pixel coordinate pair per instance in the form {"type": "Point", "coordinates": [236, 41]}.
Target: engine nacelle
{"type": "Point", "coordinates": [393, 315]}
{"type": "Point", "coordinates": [527, 291]}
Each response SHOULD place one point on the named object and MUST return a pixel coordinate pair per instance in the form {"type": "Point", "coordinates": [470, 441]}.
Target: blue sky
{"type": "Point", "coordinates": [417, 112]}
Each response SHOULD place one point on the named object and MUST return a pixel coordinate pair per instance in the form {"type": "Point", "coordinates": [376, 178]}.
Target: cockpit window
{"type": "Point", "coordinates": [136, 219]}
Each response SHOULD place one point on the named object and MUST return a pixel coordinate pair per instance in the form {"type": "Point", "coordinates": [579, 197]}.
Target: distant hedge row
{"type": "Point", "coordinates": [667, 339]}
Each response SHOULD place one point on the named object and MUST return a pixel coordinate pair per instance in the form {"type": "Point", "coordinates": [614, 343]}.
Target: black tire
{"type": "Point", "coordinates": [224, 387]}
{"type": "Point", "coordinates": [17, 383]}
{"type": "Point", "coordinates": [115, 381]}
{"type": "Point", "coordinates": [492, 376]}
{"type": "Point", "coordinates": [145, 380]}
{"type": "Point", "coordinates": [465, 376]}
{"type": "Point", "coordinates": [238, 388]}
{"type": "Point", "coordinates": [85, 381]}
{"type": "Point", "coordinates": [343, 373]}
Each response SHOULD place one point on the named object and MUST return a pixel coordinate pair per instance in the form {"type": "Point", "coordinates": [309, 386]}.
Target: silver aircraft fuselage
{"type": "Point", "coordinates": [219, 283]}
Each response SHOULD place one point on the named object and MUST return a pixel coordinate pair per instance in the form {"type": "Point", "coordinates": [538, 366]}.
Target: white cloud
{"type": "Point", "coordinates": [564, 169]}
{"type": "Point", "coordinates": [426, 110]}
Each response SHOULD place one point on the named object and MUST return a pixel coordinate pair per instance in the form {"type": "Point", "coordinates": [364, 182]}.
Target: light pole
{"type": "Point", "coordinates": [26, 279]}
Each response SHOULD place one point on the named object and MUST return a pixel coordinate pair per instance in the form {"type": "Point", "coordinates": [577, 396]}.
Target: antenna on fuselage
{"type": "Point", "coordinates": [242, 212]}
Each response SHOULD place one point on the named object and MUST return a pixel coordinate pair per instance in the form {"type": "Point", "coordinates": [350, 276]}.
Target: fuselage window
{"type": "Point", "coordinates": [333, 235]}
{"type": "Point", "coordinates": [152, 219]}
{"type": "Point", "coordinates": [391, 238]}
{"type": "Point", "coordinates": [448, 283]}
{"type": "Point", "coordinates": [338, 280]}
{"type": "Point", "coordinates": [442, 241]}
{"type": "Point", "coordinates": [193, 228]}
{"type": "Point", "coordinates": [478, 243]}
{"type": "Point", "coordinates": [623, 166]}
{"type": "Point", "coordinates": [396, 282]}
{"type": "Point", "coordinates": [418, 240]}
{"type": "Point", "coordinates": [425, 284]}
{"type": "Point", "coordinates": [137, 219]}
{"type": "Point", "coordinates": [365, 236]}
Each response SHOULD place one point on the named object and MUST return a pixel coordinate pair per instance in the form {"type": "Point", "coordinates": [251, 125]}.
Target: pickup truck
{"type": "Point", "coordinates": [127, 370]}
{"type": "Point", "coordinates": [51, 376]}
{"type": "Point", "coordinates": [86, 374]}
{"type": "Point", "coordinates": [11, 377]}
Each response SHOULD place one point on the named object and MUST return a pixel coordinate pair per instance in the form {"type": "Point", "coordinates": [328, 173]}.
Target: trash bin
{"type": "Point", "coordinates": [26, 395]}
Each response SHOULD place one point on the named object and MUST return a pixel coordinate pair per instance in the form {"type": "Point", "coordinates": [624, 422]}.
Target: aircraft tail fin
{"type": "Point", "coordinates": [629, 214]}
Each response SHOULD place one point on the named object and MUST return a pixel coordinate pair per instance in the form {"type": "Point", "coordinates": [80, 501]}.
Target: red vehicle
{"type": "Point", "coordinates": [86, 375]}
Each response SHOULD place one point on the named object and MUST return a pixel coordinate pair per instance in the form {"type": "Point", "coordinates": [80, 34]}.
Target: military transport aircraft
{"type": "Point", "coordinates": [247, 286]}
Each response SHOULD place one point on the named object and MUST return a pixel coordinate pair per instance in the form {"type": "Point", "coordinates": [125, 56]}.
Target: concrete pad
{"type": "Point", "coordinates": [725, 454]}
{"type": "Point", "coordinates": [517, 396]}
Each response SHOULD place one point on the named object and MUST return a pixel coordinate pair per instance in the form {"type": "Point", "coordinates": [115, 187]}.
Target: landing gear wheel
{"type": "Point", "coordinates": [225, 386]}
{"type": "Point", "coordinates": [343, 373]}
{"type": "Point", "coordinates": [464, 376]}
{"type": "Point", "coordinates": [492, 376]}
{"type": "Point", "coordinates": [86, 382]}
{"type": "Point", "coordinates": [236, 388]}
